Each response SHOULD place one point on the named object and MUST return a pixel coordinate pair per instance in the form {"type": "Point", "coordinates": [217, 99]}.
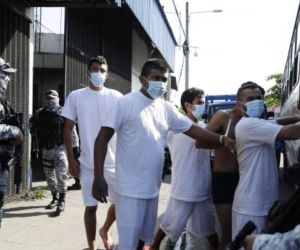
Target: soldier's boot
{"type": "Point", "coordinates": [54, 201]}
{"type": "Point", "coordinates": [61, 203]}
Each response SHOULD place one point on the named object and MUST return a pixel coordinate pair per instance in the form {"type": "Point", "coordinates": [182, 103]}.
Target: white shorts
{"type": "Point", "coordinates": [136, 220]}
{"type": "Point", "coordinates": [197, 217]}
{"type": "Point", "coordinates": [239, 220]}
{"type": "Point", "coordinates": [86, 181]}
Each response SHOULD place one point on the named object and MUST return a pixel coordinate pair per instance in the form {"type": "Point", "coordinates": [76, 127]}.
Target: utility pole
{"type": "Point", "coordinates": [187, 48]}
{"type": "Point", "coordinates": [186, 44]}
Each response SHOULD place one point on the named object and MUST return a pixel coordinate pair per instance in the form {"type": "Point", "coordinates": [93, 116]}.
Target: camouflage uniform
{"type": "Point", "coordinates": [54, 157]}
{"type": "Point", "coordinates": [284, 241]}
{"type": "Point", "coordinates": [7, 133]}
{"type": "Point", "coordinates": [56, 168]}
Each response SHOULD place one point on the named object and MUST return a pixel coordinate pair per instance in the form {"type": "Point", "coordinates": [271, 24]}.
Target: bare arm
{"type": "Point", "coordinates": [208, 139]}
{"type": "Point", "coordinates": [68, 139]}
{"type": "Point", "coordinates": [288, 120]}
{"type": "Point", "coordinates": [100, 150]}
{"type": "Point", "coordinates": [289, 132]}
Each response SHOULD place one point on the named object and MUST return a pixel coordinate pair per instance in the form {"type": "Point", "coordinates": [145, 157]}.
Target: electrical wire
{"type": "Point", "coordinates": [178, 16]}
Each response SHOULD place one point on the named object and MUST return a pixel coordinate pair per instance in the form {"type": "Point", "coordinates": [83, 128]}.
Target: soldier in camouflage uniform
{"type": "Point", "coordinates": [50, 125]}
{"type": "Point", "coordinates": [279, 241]}
{"type": "Point", "coordinates": [9, 135]}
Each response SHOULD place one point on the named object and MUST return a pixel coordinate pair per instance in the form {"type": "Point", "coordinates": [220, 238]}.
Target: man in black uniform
{"type": "Point", "coordinates": [49, 126]}
{"type": "Point", "coordinates": [9, 135]}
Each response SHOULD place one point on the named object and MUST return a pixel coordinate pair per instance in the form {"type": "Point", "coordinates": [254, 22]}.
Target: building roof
{"type": "Point", "coordinates": [152, 18]}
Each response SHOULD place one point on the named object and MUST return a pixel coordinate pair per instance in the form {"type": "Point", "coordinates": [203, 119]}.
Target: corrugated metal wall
{"type": "Point", "coordinates": [152, 19]}
{"type": "Point", "coordinates": [140, 54]}
{"type": "Point", "coordinates": [14, 47]}
{"type": "Point", "coordinates": [92, 32]}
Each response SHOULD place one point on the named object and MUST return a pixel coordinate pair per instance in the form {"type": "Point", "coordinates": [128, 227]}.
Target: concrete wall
{"type": "Point", "coordinates": [49, 43]}
{"type": "Point", "coordinates": [48, 61]}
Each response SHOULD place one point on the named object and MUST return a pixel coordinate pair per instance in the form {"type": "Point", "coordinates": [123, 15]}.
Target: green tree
{"type": "Point", "coordinates": [272, 97]}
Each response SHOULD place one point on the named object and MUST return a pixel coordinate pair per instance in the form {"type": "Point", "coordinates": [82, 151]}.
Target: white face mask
{"type": "Point", "coordinates": [97, 78]}
{"type": "Point", "coordinates": [255, 108]}
{"type": "Point", "coordinates": [156, 88]}
{"type": "Point", "coordinates": [198, 111]}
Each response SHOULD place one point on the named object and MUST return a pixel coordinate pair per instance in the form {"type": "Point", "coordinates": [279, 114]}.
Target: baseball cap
{"type": "Point", "coordinates": [5, 67]}
{"type": "Point", "coordinates": [51, 93]}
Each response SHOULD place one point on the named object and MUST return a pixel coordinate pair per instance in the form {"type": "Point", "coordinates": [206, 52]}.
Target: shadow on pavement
{"type": "Point", "coordinates": [9, 212]}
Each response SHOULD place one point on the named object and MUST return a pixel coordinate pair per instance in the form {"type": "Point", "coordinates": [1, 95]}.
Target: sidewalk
{"type": "Point", "coordinates": [28, 226]}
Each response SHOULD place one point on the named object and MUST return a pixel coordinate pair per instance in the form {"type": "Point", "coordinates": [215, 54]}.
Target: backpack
{"type": "Point", "coordinates": [50, 126]}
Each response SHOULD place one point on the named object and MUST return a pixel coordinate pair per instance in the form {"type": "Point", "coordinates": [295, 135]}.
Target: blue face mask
{"type": "Point", "coordinates": [156, 89]}
{"type": "Point", "coordinates": [255, 108]}
{"type": "Point", "coordinates": [97, 79]}
{"type": "Point", "coordinates": [198, 111]}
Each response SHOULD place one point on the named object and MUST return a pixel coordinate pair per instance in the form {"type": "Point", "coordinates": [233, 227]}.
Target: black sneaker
{"type": "Point", "coordinates": [75, 186]}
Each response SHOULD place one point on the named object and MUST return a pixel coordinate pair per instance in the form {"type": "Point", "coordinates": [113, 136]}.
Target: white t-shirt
{"type": "Point", "coordinates": [91, 109]}
{"type": "Point", "coordinates": [191, 172]}
{"type": "Point", "coordinates": [142, 125]}
{"type": "Point", "coordinates": [258, 184]}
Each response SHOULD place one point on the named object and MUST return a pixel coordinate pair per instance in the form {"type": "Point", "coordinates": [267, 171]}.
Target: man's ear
{"type": "Point", "coordinates": [188, 106]}
{"type": "Point", "coordinates": [241, 105]}
{"type": "Point", "coordinates": [143, 81]}
{"type": "Point", "coordinates": [141, 78]}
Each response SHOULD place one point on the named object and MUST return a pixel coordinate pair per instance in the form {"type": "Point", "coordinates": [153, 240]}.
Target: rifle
{"type": "Point", "coordinates": [238, 241]}
{"type": "Point", "coordinates": [282, 217]}
{"type": "Point", "coordinates": [35, 143]}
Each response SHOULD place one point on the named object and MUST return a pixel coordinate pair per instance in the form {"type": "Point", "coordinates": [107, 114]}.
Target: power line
{"type": "Point", "coordinates": [178, 16]}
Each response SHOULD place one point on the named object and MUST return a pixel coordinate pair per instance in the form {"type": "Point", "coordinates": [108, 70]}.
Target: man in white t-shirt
{"type": "Point", "coordinates": [255, 142]}
{"type": "Point", "coordinates": [190, 204]}
{"type": "Point", "coordinates": [90, 107]}
{"type": "Point", "coordinates": [142, 122]}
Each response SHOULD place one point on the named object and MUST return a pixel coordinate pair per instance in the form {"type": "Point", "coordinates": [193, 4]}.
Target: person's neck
{"type": "Point", "coordinates": [92, 87]}
{"type": "Point", "coordinates": [145, 93]}
{"type": "Point", "coordinates": [238, 113]}
{"type": "Point", "coordinates": [192, 117]}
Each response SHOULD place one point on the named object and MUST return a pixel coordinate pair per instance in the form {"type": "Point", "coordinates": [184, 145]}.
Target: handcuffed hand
{"type": "Point", "coordinates": [229, 143]}
{"type": "Point", "coordinates": [100, 189]}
